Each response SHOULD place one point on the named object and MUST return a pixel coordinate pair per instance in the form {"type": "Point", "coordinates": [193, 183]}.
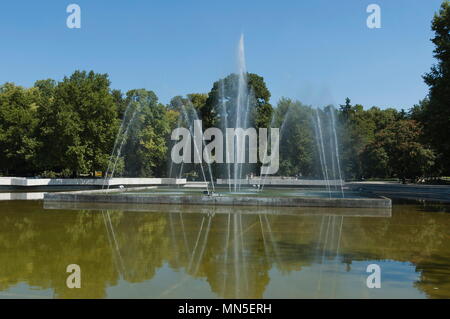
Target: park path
{"type": "Point", "coordinates": [393, 190]}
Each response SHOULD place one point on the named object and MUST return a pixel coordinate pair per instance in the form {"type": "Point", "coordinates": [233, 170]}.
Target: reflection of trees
{"type": "Point", "coordinates": [236, 266]}
{"type": "Point", "coordinates": [224, 248]}
{"type": "Point", "coordinates": [421, 238]}
{"type": "Point", "coordinates": [141, 244]}
{"type": "Point", "coordinates": [36, 247]}
{"type": "Point", "coordinates": [233, 251]}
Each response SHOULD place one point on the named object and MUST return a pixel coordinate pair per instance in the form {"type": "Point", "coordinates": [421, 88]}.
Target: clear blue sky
{"type": "Point", "coordinates": [317, 51]}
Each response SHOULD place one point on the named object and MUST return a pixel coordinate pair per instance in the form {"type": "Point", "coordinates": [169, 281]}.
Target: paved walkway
{"type": "Point", "coordinates": [439, 193]}
{"type": "Point", "coordinates": [21, 181]}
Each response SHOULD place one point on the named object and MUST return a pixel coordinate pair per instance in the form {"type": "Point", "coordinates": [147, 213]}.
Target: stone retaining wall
{"type": "Point", "coordinates": [87, 196]}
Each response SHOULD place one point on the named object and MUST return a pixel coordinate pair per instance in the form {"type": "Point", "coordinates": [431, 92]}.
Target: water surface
{"type": "Point", "coordinates": [187, 254]}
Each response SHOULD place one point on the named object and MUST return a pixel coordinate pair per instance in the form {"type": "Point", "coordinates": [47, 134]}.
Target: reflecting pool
{"type": "Point", "coordinates": [182, 252]}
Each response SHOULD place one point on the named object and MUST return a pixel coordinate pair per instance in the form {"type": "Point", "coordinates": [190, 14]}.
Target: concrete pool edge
{"type": "Point", "coordinates": [219, 209]}
{"type": "Point", "coordinates": [105, 197]}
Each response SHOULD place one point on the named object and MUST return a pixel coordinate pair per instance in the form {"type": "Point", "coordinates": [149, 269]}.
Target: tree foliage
{"type": "Point", "coordinates": [297, 147]}
{"type": "Point", "coordinates": [146, 148]}
{"type": "Point", "coordinates": [435, 113]}
{"type": "Point", "coordinates": [396, 151]}
{"type": "Point", "coordinates": [78, 127]}
{"type": "Point", "coordinates": [18, 142]}
{"type": "Point", "coordinates": [227, 89]}
{"type": "Point", "coordinates": [69, 128]}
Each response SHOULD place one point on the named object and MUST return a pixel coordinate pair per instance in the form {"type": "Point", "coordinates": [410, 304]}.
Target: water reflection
{"type": "Point", "coordinates": [188, 252]}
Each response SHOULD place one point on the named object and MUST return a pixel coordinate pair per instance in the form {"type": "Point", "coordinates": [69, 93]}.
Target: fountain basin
{"type": "Point", "coordinates": [205, 209]}
{"type": "Point", "coordinates": [294, 198]}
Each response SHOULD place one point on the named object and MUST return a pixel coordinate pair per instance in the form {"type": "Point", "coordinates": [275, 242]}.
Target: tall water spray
{"type": "Point", "coordinates": [128, 120]}
{"type": "Point", "coordinates": [241, 110]}
{"type": "Point", "coordinates": [336, 146]}
{"type": "Point", "coordinates": [324, 123]}
{"type": "Point", "coordinates": [224, 116]}
{"type": "Point", "coordinates": [191, 117]}
{"type": "Point", "coordinates": [233, 107]}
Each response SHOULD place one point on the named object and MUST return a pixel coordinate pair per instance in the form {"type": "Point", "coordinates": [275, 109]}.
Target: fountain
{"type": "Point", "coordinates": [133, 109]}
{"type": "Point", "coordinates": [235, 106]}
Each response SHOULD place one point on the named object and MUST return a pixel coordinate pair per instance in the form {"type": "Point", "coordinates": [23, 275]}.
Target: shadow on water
{"type": "Point", "coordinates": [193, 252]}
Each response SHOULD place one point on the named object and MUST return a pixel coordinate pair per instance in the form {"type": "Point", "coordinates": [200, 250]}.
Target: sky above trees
{"type": "Point", "coordinates": [316, 51]}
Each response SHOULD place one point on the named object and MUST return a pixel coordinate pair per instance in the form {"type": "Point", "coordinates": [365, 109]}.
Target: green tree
{"type": "Point", "coordinates": [417, 112]}
{"type": "Point", "coordinates": [437, 111]}
{"type": "Point", "coordinates": [146, 148]}
{"type": "Point", "coordinates": [355, 134]}
{"type": "Point", "coordinates": [359, 128]}
{"type": "Point", "coordinates": [346, 108]}
{"type": "Point", "coordinates": [375, 161]}
{"type": "Point", "coordinates": [192, 102]}
{"type": "Point", "coordinates": [120, 102]}
{"type": "Point", "coordinates": [227, 87]}
{"type": "Point", "coordinates": [46, 89]}
{"type": "Point", "coordinates": [397, 151]}
{"type": "Point", "coordinates": [78, 129]}
{"type": "Point", "coordinates": [198, 100]}
{"type": "Point", "coordinates": [263, 109]}
{"type": "Point", "coordinates": [18, 142]}
{"type": "Point", "coordinates": [297, 147]}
